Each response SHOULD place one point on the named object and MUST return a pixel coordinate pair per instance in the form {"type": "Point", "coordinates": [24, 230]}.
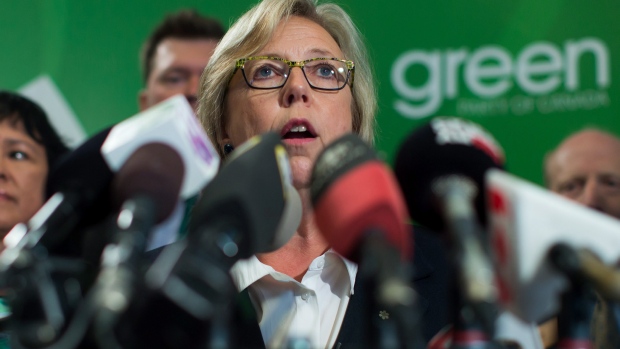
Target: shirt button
{"type": "Point", "coordinates": [305, 296]}
{"type": "Point", "coordinates": [321, 264]}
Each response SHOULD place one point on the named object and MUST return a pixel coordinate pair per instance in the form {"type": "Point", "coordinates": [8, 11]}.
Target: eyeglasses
{"type": "Point", "coordinates": [272, 72]}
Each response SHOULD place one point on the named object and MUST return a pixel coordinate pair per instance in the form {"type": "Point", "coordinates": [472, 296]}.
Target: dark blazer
{"type": "Point", "coordinates": [432, 281]}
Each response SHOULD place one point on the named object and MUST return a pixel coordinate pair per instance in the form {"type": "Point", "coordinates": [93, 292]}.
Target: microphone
{"type": "Point", "coordinates": [352, 192]}
{"type": "Point", "coordinates": [249, 207]}
{"type": "Point", "coordinates": [440, 168]}
{"type": "Point", "coordinates": [581, 265]}
{"type": "Point", "coordinates": [541, 241]}
{"type": "Point", "coordinates": [154, 171]}
{"type": "Point", "coordinates": [40, 305]}
{"type": "Point", "coordinates": [258, 212]}
{"type": "Point", "coordinates": [359, 209]}
{"type": "Point", "coordinates": [446, 146]}
{"type": "Point", "coordinates": [147, 188]}
{"type": "Point", "coordinates": [80, 186]}
{"type": "Point", "coordinates": [171, 122]}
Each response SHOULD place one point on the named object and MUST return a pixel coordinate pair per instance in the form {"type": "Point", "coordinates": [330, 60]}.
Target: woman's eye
{"type": "Point", "coordinates": [268, 70]}
{"type": "Point", "coordinates": [265, 72]}
{"type": "Point", "coordinates": [18, 155]}
{"type": "Point", "coordinates": [325, 71]}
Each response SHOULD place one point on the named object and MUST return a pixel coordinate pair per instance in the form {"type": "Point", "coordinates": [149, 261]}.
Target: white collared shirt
{"type": "Point", "coordinates": [509, 327]}
{"type": "Point", "coordinates": [312, 310]}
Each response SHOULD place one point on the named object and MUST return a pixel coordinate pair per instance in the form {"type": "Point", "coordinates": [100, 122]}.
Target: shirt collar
{"type": "Point", "coordinates": [245, 272]}
{"type": "Point", "coordinates": [351, 267]}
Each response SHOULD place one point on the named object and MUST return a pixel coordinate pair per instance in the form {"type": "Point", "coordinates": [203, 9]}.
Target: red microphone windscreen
{"type": "Point", "coordinates": [362, 199]}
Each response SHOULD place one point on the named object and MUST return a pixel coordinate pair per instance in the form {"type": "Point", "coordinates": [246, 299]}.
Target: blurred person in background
{"type": "Point", "coordinates": [585, 168]}
{"type": "Point", "coordinates": [174, 56]}
{"type": "Point", "coordinates": [29, 148]}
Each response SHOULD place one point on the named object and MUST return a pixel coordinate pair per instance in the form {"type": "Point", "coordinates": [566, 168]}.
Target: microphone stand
{"type": "Point", "coordinates": [116, 284]}
{"type": "Point", "coordinates": [577, 303]}
{"type": "Point", "coordinates": [187, 294]}
{"type": "Point", "coordinates": [470, 333]}
{"type": "Point", "coordinates": [574, 319]}
{"type": "Point", "coordinates": [45, 289]}
{"type": "Point", "coordinates": [476, 295]}
{"type": "Point", "coordinates": [385, 275]}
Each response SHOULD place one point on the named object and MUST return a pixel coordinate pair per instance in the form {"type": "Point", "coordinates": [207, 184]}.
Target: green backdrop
{"type": "Point", "coordinates": [529, 71]}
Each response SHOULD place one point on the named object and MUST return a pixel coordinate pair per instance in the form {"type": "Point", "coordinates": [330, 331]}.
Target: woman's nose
{"type": "Point", "coordinates": [296, 88]}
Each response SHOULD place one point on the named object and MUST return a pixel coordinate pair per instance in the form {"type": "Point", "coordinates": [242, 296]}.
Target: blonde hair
{"type": "Point", "coordinates": [253, 30]}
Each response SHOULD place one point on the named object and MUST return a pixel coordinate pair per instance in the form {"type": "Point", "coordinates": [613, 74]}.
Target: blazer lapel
{"type": "Point", "coordinates": [247, 332]}
{"type": "Point", "coordinates": [430, 281]}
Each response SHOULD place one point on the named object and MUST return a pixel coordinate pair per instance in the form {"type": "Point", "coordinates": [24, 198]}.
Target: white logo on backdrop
{"type": "Point", "coordinates": [548, 74]}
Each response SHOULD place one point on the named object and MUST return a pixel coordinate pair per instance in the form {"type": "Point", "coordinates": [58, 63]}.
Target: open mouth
{"type": "Point", "coordinates": [298, 132]}
{"type": "Point", "coordinates": [298, 129]}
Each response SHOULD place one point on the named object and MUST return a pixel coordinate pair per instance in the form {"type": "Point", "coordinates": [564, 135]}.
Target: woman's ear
{"type": "Point", "coordinates": [225, 139]}
{"type": "Point", "coordinates": [227, 146]}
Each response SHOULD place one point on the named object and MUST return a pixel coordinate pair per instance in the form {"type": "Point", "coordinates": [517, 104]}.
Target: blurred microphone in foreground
{"type": "Point", "coordinates": [441, 168]}
{"type": "Point", "coordinates": [146, 188]}
{"type": "Point", "coordinates": [360, 210]}
{"type": "Point", "coordinates": [171, 122]}
{"type": "Point", "coordinates": [188, 296]}
{"type": "Point", "coordinates": [62, 243]}
{"type": "Point", "coordinates": [78, 186]}
{"type": "Point", "coordinates": [32, 265]}
{"type": "Point", "coordinates": [546, 245]}
{"type": "Point", "coordinates": [527, 223]}
{"type": "Point", "coordinates": [570, 247]}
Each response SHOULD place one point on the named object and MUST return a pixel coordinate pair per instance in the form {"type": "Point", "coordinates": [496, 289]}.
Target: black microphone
{"type": "Point", "coordinates": [360, 210]}
{"type": "Point", "coordinates": [444, 147]}
{"type": "Point", "coordinates": [252, 200]}
{"type": "Point", "coordinates": [154, 171]}
{"type": "Point", "coordinates": [38, 277]}
{"type": "Point", "coordinates": [440, 168]}
{"type": "Point", "coordinates": [249, 207]}
{"type": "Point", "coordinates": [147, 187]}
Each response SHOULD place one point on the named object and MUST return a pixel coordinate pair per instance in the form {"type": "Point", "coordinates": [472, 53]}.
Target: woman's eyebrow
{"type": "Point", "coordinates": [16, 141]}
{"type": "Point", "coordinates": [319, 52]}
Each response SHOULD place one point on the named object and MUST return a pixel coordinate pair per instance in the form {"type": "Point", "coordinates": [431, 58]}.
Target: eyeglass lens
{"type": "Point", "coordinates": [267, 73]}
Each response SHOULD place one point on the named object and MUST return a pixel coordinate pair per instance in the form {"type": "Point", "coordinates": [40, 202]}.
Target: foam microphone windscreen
{"type": "Point", "coordinates": [154, 170]}
{"type": "Point", "coordinates": [354, 193]}
{"type": "Point", "coordinates": [445, 146]}
{"type": "Point", "coordinates": [250, 194]}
